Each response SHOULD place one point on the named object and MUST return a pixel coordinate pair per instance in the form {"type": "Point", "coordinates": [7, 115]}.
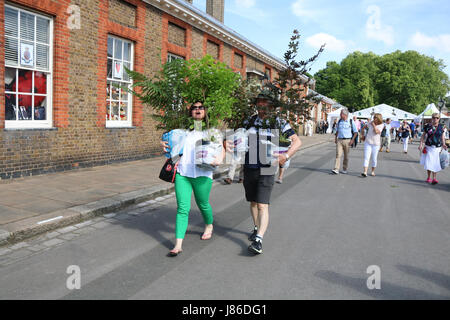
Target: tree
{"type": "Point", "coordinates": [180, 83]}
{"type": "Point", "coordinates": [406, 80]}
{"type": "Point", "coordinates": [288, 89]}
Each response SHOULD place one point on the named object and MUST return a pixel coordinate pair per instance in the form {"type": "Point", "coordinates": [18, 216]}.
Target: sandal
{"type": "Point", "coordinates": [434, 181]}
{"type": "Point", "coordinates": [364, 174]}
{"type": "Point", "coordinates": [206, 236]}
{"type": "Point", "coordinates": [174, 253]}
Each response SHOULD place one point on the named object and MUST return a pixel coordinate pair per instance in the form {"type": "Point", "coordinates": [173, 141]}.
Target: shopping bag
{"type": "Point", "coordinates": [444, 158]}
{"type": "Point", "coordinates": [175, 139]}
{"type": "Point", "coordinates": [206, 154]}
{"type": "Point", "coordinates": [240, 140]}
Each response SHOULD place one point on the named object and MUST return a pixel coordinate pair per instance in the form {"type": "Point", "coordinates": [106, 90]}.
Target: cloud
{"type": "Point", "coordinates": [438, 43]}
{"type": "Point", "coordinates": [300, 9]}
{"type": "Point", "coordinates": [245, 3]}
{"type": "Point", "coordinates": [375, 29]}
{"type": "Point", "coordinates": [332, 44]}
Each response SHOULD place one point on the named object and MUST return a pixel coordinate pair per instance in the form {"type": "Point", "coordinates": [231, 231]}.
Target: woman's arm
{"type": "Point", "coordinates": [375, 128]}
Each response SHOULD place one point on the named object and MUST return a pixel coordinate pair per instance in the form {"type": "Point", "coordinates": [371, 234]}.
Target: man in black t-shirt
{"type": "Point", "coordinates": [259, 177]}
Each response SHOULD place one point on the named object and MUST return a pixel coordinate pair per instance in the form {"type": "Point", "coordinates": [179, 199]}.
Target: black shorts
{"type": "Point", "coordinates": [258, 188]}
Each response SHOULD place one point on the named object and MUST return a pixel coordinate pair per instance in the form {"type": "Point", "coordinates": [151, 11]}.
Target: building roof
{"type": "Point", "coordinates": [187, 12]}
{"type": "Point", "coordinates": [323, 98]}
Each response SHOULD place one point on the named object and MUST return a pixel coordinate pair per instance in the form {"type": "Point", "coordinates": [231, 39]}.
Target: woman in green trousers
{"type": "Point", "coordinates": [192, 178]}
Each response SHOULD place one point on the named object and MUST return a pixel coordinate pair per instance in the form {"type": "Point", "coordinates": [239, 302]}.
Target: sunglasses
{"type": "Point", "coordinates": [198, 108]}
{"type": "Point", "coordinates": [436, 118]}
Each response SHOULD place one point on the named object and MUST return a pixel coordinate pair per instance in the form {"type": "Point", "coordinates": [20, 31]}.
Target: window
{"type": "Point", "coordinates": [28, 69]}
{"type": "Point", "coordinates": [118, 100]}
{"type": "Point", "coordinates": [171, 57]}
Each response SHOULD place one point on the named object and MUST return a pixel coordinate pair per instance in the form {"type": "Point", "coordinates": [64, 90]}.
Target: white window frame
{"type": "Point", "coordinates": [129, 122]}
{"type": "Point", "coordinates": [33, 124]}
{"type": "Point", "coordinates": [171, 57]}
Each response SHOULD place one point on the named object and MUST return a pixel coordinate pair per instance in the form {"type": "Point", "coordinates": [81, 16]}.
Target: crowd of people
{"type": "Point", "coordinates": [258, 181]}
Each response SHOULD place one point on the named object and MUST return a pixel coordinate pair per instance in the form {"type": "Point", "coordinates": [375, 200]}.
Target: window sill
{"type": "Point", "coordinates": [30, 129]}
{"type": "Point", "coordinates": [118, 128]}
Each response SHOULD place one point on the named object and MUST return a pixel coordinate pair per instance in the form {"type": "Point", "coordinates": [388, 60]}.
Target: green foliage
{"type": "Point", "coordinates": [213, 83]}
{"type": "Point", "coordinates": [180, 83]}
{"type": "Point", "coordinates": [288, 90]}
{"type": "Point", "coordinates": [163, 93]}
{"type": "Point", "coordinates": [406, 80]}
{"type": "Point", "coordinates": [243, 107]}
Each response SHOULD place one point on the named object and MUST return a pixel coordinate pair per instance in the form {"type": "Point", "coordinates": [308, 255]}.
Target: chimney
{"type": "Point", "coordinates": [215, 8]}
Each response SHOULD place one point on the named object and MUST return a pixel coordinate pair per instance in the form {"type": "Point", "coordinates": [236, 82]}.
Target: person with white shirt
{"type": "Point", "coordinates": [190, 178]}
{"type": "Point", "coordinates": [372, 143]}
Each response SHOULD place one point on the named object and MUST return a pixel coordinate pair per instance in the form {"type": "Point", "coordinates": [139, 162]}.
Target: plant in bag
{"type": "Point", "coordinates": [209, 150]}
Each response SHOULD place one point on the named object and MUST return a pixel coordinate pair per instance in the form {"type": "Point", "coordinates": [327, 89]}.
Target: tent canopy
{"type": "Point", "coordinates": [336, 114]}
{"type": "Point", "coordinates": [386, 111]}
{"type": "Point", "coordinates": [429, 110]}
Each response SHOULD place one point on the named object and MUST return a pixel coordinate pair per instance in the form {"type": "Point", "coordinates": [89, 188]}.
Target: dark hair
{"type": "Point", "coordinates": [190, 108]}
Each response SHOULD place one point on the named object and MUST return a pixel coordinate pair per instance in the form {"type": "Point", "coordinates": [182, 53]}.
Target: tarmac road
{"type": "Point", "coordinates": [324, 233]}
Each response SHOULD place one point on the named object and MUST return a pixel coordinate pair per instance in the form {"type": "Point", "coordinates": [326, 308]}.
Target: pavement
{"type": "Point", "coordinates": [329, 237]}
{"type": "Point", "coordinates": [35, 205]}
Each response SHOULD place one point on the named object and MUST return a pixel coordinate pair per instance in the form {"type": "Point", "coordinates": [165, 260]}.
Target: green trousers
{"type": "Point", "coordinates": [183, 190]}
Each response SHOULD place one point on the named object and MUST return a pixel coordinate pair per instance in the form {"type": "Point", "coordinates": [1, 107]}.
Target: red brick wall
{"type": "Point", "coordinates": [244, 62]}
{"type": "Point", "coordinates": [206, 38]}
{"type": "Point", "coordinates": [80, 137]}
{"type": "Point", "coordinates": [173, 48]}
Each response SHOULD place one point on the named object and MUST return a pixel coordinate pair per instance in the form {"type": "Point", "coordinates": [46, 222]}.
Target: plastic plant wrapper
{"type": "Point", "coordinates": [240, 139]}
{"type": "Point", "coordinates": [444, 159]}
{"type": "Point", "coordinates": [209, 150]}
{"type": "Point", "coordinates": [175, 139]}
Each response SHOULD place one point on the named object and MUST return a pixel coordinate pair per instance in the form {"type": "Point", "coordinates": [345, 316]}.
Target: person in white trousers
{"type": "Point", "coordinates": [372, 142]}
{"type": "Point", "coordinates": [405, 131]}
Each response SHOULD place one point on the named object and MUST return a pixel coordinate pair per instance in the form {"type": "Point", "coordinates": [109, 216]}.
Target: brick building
{"type": "Point", "coordinates": [59, 108]}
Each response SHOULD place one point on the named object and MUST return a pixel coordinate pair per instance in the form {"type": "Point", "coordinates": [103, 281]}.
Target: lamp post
{"type": "Point", "coordinates": [441, 104]}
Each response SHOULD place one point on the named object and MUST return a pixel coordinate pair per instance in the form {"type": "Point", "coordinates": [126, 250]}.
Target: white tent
{"type": "Point", "coordinates": [429, 110]}
{"type": "Point", "coordinates": [336, 114]}
{"type": "Point", "coordinates": [386, 111]}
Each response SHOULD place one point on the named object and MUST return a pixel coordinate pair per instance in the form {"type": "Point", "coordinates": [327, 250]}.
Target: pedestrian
{"type": "Point", "coordinates": [358, 128]}
{"type": "Point", "coordinates": [431, 143]}
{"type": "Point", "coordinates": [325, 129]}
{"type": "Point", "coordinates": [282, 168]}
{"type": "Point", "coordinates": [386, 136]}
{"type": "Point", "coordinates": [235, 163]}
{"type": "Point", "coordinates": [372, 143]}
{"type": "Point", "coordinates": [190, 177]}
{"type": "Point", "coordinates": [334, 127]}
{"type": "Point", "coordinates": [405, 132]}
{"type": "Point", "coordinates": [344, 138]}
{"type": "Point", "coordinates": [412, 126]}
{"type": "Point", "coordinates": [258, 181]}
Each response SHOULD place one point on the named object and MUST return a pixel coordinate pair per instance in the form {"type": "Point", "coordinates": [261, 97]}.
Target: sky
{"type": "Point", "coordinates": [379, 26]}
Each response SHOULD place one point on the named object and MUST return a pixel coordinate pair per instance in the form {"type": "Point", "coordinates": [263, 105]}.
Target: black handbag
{"type": "Point", "coordinates": [169, 171]}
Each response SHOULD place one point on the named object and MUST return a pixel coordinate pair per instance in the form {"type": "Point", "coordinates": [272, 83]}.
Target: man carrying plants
{"type": "Point", "coordinates": [259, 177]}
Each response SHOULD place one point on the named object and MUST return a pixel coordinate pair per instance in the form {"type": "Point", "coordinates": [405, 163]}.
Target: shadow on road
{"type": "Point", "coordinates": [388, 290]}
{"type": "Point", "coordinates": [440, 279]}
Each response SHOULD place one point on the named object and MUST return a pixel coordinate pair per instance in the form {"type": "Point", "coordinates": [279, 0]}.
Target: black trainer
{"type": "Point", "coordinates": [252, 237]}
{"type": "Point", "coordinates": [255, 247]}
